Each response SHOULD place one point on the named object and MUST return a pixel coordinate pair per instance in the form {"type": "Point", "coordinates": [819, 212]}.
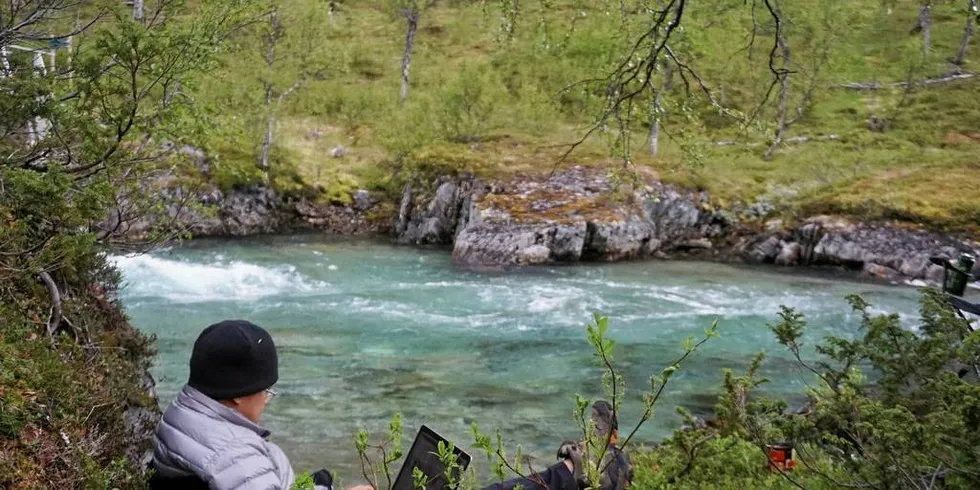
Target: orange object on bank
{"type": "Point", "coordinates": [781, 457]}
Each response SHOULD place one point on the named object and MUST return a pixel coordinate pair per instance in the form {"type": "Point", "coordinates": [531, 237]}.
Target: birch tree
{"type": "Point", "coordinates": [271, 41]}
{"type": "Point", "coordinates": [291, 53]}
{"type": "Point", "coordinates": [924, 26]}
{"type": "Point", "coordinates": [972, 12]}
{"type": "Point", "coordinates": [797, 72]}
{"type": "Point", "coordinates": [411, 11]}
{"type": "Point", "coordinates": [658, 108]}
{"type": "Point", "coordinates": [783, 52]}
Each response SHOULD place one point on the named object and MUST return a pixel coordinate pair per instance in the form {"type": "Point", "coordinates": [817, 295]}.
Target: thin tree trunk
{"type": "Point", "coordinates": [925, 23]}
{"type": "Point", "coordinates": [270, 58]}
{"type": "Point", "coordinates": [37, 129]}
{"type": "Point", "coordinates": [4, 63]}
{"type": "Point", "coordinates": [658, 108]}
{"type": "Point", "coordinates": [138, 9]}
{"type": "Point", "coordinates": [270, 124]}
{"type": "Point", "coordinates": [783, 95]}
{"type": "Point", "coordinates": [655, 127]}
{"type": "Point", "coordinates": [972, 11]}
{"type": "Point", "coordinates": [412, 16]}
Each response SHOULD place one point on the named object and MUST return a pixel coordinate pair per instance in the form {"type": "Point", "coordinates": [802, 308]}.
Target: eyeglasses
{"type": "Point", "coordinates": [270, 393]}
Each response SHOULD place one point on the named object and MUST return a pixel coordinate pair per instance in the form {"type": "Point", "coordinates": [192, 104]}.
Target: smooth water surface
{"type": "Point", "coordinates": [366, 329]}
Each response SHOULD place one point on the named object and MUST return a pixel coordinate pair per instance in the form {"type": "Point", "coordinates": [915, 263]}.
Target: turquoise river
{"type": "Point", "coordinates": [366, 329]}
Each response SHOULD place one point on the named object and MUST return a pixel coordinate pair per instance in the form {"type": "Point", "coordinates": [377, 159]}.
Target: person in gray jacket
{"type": "Point", "coordinates": [209, 436]}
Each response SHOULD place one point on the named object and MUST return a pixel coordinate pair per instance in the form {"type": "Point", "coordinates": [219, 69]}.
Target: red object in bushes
{"type": "Point", "coordinates": [781, 457]}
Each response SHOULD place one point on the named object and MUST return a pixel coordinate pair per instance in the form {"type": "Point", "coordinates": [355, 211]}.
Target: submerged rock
{"type": "Point", "coordinates": [881, 272]}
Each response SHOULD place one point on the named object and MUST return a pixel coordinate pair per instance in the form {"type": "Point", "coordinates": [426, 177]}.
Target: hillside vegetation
{"type": "Point", "coordinates": [494, 93]}
{"type": "Point", "coordinates": [271, 89]}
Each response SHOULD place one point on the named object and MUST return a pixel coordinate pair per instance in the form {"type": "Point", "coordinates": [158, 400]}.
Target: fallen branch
{"type": "Point", "coordinates": [929, 81]}
{"type": "Point", "coordinates": [806, 139]}
{"type": "Point", "coordinates": [795, 140]}
{"type": "Point", "coordinates": [54, 319]}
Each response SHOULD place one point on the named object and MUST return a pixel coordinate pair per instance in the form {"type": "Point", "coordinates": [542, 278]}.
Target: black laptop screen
{"type": "Point", "coordinates": [424, 455]}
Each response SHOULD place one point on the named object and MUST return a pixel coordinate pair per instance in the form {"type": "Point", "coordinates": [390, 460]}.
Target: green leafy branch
{"type": "Point", "coordinates": [658, 383]}
{"type": "Point", "coordinates": [388, 451]}
{"type": "Point", "coordinates": [494, 449]}
{"type": "Point", "coordinates": [614, 386]}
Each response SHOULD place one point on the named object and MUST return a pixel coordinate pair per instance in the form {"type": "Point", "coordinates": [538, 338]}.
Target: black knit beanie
{"type": "Point", "coordinates": [233, 358]}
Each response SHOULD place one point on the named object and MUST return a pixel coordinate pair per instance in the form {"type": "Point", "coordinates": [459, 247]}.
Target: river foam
{"type": "Point", "coordinates": [182, 281]}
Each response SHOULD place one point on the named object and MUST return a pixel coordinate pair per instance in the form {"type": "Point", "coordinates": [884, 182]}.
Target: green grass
{"type": "Point", "coordinates": [495, 107]}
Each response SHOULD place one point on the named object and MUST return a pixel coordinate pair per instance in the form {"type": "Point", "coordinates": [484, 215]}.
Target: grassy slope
{"type": "Point", "coordinates": [923, 168]}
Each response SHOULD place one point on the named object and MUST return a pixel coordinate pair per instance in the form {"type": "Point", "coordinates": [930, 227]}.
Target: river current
{"type": "Point", "coordinates": [366, 329]}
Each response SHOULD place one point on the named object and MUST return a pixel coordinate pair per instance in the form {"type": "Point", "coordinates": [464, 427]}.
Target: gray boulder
{"type": "Point", "coordinates": [764, 250]}
{"type": "Point", "coordinates": [437, 220]}
{"type": "Point", "coordinates": [632, 238]}
{"type": "Point", "coordinates": [363, 200]}
{"type": "Point", "coordinates": [916, 267]}
{"type": "Point", "coordinates": [490, 245]}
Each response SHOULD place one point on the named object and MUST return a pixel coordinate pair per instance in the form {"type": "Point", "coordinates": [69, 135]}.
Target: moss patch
{"type": "Point", "coordinates": [63, 405]}
{"type": "Point", "coordinates": [939, 196]}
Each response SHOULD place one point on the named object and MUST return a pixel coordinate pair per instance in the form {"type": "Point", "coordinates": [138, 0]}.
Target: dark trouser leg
{"type": "Point", "coordinates": [556, 477]}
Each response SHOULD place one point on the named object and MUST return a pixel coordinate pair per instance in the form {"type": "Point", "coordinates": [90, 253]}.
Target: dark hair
{"type": "Point", "coordinates": [605, 411]}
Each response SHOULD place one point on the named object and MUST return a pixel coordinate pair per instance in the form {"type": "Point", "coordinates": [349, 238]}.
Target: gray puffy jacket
{"type": "Point", "coordinates": [201, 437]}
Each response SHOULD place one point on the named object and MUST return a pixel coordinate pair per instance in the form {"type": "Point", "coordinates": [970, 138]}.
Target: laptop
{"type": "Point", "coordinates": [424, 455]}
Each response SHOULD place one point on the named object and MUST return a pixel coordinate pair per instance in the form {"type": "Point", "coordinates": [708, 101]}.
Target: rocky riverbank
{"type": "Point", "coordinates": [579, 215]}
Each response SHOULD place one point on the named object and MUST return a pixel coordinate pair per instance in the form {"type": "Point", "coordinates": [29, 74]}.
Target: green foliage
{"type": "Point", "coordinates": [498, 81]}
{"type": "Point", "coordinates": [893, 408]}
{"type": "Point", "coordinates": [377, 458]}
{"type": "Point", "coordinates": [914, 411]}
{"type": "Point", "coordinates": [467, 105]}
{"type": "Point", "coordinates": [594, 444]}
{"type": "Point", "coordinates": [304, 481]}
{"type": "Point", "coordinates": [71, 367]}
{"type": "Point", "coordinates": [732, 409]}
{"type": "Point", "coordinates": [723, 462]}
